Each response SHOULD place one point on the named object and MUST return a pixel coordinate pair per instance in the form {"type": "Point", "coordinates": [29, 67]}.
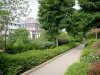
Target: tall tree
{"type": "Point", "coordinates": [18, 8]}
{"type": "Point", "coordinates": [12, 9]}
{"type": "Point", "coordinates": [51, 13]}
{"type": "Point", "coordinates": [76, 25]}
{"type": "Point", "coordinates": [3, 13]}
{"type": "Point", "coordinates": [92, 7]}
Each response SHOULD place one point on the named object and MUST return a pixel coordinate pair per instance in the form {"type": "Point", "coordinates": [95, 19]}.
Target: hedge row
{"type": "Point", "coordinates": [18, 63]}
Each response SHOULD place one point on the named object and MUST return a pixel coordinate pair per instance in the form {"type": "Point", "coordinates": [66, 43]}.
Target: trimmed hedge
{"type": "Point", "coordinates": [18, 63]}
{"type": "Point", "coordinates": [77, 69]}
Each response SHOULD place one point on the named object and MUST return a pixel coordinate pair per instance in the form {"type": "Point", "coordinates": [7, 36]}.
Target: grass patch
{"type": "Point", "coordinates": [87, 51]}
{"type": "Point", "coordinates": [77, 69]}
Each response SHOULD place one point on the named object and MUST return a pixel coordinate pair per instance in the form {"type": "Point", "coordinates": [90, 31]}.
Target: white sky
{"type": "Point", "coordinates": [34, 7]}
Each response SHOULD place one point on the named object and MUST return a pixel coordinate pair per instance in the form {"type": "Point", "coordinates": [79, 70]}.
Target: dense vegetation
{"type": "Point", "coordinates": [89, 61]}
{"type": "Point", "coordinates": [58, 8]}
{"type": "Point", "coordinates": [23, 53]}
{"type": "Point", "coordinates": [16, 43]}
{"type": "Point", "coordinates": [78, 68]}
{"type": "Point", "coordinates": [15, 64]}
{"type": "Point", "coordinates": [91, 55]}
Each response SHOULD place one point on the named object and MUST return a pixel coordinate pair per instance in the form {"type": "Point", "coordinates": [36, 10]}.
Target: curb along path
{"type": "Point", "coordinates": [59, 65]}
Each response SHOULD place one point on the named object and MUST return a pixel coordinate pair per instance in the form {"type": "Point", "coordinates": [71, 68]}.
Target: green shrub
{"type": "Point", "coordinates": [18, 41]}
{"type": "Point", "coordinates": [1, 42]}
{"type": "Point", "coordinates": [63, 38]}
{"type": "Point", "coordinates": [90, 41]}
{"type": "Point", "coordinates": [96, 44]}
{"type": "Point", "coordinates": [87, 51]}
{"type": "Point", "coordinates": [63, 41]}
{"type": "Point", "coordinates": [19, 47]}
{"type": "Point", "coordinates": [41, 45]}
{"type": "Point", "coordinates": [94, 68]}
{"type": "Point", "coordinates": [47, 45]}
{"type": "Point", "coordinates": [15, 64]}
{"type": "Point", "coordinates": [88, 56]}
{"type": "Point", "coordinates": [79, 68]}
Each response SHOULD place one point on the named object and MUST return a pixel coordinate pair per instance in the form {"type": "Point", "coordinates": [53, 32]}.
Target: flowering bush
{"type": "Point", "coordinates": [96, 44]}
{"type": "Point", "coordinates": [98, 53]}
{"type": "Point", "coordinates": [90, 58]}
{"type": "Point", "coordinates": [94, 68]}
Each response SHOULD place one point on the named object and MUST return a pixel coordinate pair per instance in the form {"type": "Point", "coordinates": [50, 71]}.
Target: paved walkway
{"type": "Point", "coordinates": [59, 66]}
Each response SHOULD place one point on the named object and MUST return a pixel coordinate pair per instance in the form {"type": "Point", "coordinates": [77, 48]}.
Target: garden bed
{"type": "Point", "coordinates": [18, 63]}
{"type": "Point", "coordinates": [87, 57]}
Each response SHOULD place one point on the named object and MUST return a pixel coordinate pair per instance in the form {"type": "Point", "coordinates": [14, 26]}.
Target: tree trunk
{"type": "Point", "coordinates": [5, 38]}
{"type": "Point", "coordinates": [96, 36]}
{"type": "Point", "coordinates": [56, 40]}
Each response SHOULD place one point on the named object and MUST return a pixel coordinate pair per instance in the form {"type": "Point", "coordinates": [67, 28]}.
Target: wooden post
{"type": "Point", "coordinates": [96, 36]}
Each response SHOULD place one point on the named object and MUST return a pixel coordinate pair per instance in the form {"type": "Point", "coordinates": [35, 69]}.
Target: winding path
{"type": "Point", "coordinates": [60, 64]}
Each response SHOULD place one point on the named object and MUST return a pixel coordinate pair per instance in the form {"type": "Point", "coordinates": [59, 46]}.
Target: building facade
{"type": "Point", "coordinates": [30, 24]}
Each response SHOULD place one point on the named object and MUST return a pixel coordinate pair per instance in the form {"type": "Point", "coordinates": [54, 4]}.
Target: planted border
{"type": "Point", "coordinates": [18, 63]}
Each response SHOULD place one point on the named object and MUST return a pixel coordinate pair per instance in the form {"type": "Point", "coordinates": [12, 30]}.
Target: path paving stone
{"type": "Point", "coordinates": [60, 65]}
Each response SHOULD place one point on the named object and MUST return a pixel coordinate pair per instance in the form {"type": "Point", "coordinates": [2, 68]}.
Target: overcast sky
{"type": "Point", "coordinates": [34, 7]}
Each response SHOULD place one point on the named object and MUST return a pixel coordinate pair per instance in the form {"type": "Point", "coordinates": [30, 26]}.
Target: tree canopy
{"type": "Point", "coordinates": [52, 12]}
{"type": "Point", "coordinates": [85, 19]}
{"type": "Point", "coordinates": [92, 7]}
{"type": "Point", "coordinates": [17, 8]}
{"type": "Point", "coordinates": [3, 15]}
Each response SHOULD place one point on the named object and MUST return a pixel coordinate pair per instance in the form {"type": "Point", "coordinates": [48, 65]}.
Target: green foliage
{"type": "Point", "coordinates": [1, 42]}
{"type": "Point", "coordinates": [47, 45]}
{"type": "Point", "coordinates": [37, 44]}
{"type": "Point", "coordinates": [90, 5]}
{"type": "Point", "coordinates": [18, 41]}
{"type": "Point", "coordinates": [91, 57]}
{"type": "Point", "coordinates": [96, 44]}
{"type": "Point", "coordinates": [77, 69]}
{"type": "Point", "coordinates": [76, 25]}
{"type": "Point", "coordinates": [90, 52]}
{"type": "Point", "coordinates": [63, 38]}
{"type": "Point", "coordinates": [88, 56]}
{"type": "Point", "coordinates": [94, 68]}
{"type": "Point", "coordinates": [59, 9]}
{"type": "Point", "coordinates": [3, 18]}
{"type": "Point", "coordinates": [45, 36]}
{"type": "Point", "coordinates": [15, 64]}
{"type": "Point", "coordinates": [89, 35]}
{"type": "Point", "coordinates": [20, 7]}
{"type": "Point", "coordinates": [44, 41]}
{"type": "Point", "coordinates": [91, 41]}
{"type": "Point", "coordinates": [87, 51]}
